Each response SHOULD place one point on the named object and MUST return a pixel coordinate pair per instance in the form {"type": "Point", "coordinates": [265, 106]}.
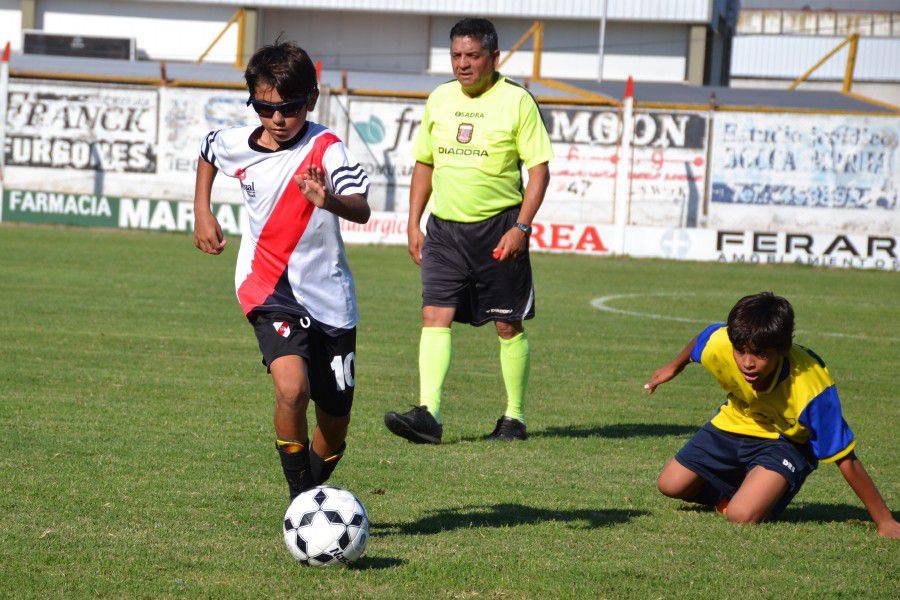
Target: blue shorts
{"type": "Point", "coordinates": [723, 459]}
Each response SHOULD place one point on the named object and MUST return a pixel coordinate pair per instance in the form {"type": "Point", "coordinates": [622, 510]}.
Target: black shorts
{"type": "Point", "coordinates": [723, 459]}
{"type": "Point", "coordinates": [330, 359]}
{"type": "Point", "coordinates": [459, 270]}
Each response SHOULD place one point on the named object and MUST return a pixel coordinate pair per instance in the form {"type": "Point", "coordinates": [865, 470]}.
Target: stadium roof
{"type": "Point", "coordinates": [689, 11]}
{"type": "Point", "coordinates": [412, 84]}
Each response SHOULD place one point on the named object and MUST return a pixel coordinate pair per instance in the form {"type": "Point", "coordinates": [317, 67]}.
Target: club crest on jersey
{"type": "Point", "coordinates": [241, 174]}
{"type": "Point", "coordinates": [464, 133]}
{"type": "Point", "coordinates": [282, 328]}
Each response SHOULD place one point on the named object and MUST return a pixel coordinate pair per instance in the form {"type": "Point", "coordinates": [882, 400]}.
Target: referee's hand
{"type": "Point", "coordinates": [415, 238]}
{"type": "Point", "coordinates": [511, 245]}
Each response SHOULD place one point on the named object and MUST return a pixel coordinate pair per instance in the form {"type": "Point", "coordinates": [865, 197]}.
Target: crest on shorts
{"type": "Point", "coordinates": [464, 133]}
{"type": "Point", "coordinates": [282, 328]}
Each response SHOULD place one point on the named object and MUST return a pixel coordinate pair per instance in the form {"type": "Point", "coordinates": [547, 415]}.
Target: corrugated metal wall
{"type": "Point", "coordinates": [688, 11]}
{"type": "Point", "coordinates": [788, 57]}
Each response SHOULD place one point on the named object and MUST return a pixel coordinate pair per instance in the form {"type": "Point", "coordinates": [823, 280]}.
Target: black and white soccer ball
{"type": "Point", "coordinates": [326, 526]}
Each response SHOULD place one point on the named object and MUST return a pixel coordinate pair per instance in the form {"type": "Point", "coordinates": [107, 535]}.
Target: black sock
{"type": "Point", "coordinates": [323, 467]}
{"type": "Point", "coordinates": [295, 464]}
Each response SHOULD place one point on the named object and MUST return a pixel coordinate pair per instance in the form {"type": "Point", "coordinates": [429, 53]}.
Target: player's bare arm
{"type": "Point", "coordinates": [856, 475]}
{"type": "Point", "coordinates": [514, 241]}
{"type": "Point", "coordinates": [352, 207]}
{"type": "Point", "coordinates": [419, 193]}
{"type": "Point", "coordinates": [671, 369]}
{"type": "Point", "coordinates": [208, 235]}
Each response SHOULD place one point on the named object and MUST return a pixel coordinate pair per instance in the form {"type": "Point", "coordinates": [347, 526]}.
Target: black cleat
{"type": "Point", "coordinates": [417, 426]}
{"type": "Point", "coordinates": [507, 430]}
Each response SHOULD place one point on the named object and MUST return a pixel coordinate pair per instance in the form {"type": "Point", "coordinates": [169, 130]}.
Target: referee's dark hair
{"type": "Point", "coordinates": [761, 321]}
{"type": "Point", "coordinates": [285, 66]}
{"type": "Point", "coordinates": [480, 29]}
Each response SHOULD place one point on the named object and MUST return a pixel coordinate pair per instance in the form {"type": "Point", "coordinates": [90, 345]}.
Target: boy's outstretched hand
{"type": "Point", "coordinates": [889, 529]}
{"type": "Point", "coordinates": [662, 375]}
{"type": "Point", "coordinates": [312, 185]}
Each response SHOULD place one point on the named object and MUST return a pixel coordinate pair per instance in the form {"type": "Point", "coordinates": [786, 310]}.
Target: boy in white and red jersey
{"type": "Point", "coordinates": [292, 277]}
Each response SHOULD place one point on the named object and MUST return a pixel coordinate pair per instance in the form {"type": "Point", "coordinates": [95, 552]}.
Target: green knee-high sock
{"type": "Point", "coordinates": [515, 360]}
{"type": "Point", "coordinates": [434, 362]}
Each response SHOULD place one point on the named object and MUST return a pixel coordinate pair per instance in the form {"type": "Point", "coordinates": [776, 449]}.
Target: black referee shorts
{"type": "Point", "coordinates": [459, 270]}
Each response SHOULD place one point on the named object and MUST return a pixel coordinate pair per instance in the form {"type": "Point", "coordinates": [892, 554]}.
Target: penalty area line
{"type": "Point", "coordinates": [602, 303]}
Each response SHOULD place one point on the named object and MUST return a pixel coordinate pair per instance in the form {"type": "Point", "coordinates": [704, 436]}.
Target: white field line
{"type": "Point", "coordinates": [601, 304]}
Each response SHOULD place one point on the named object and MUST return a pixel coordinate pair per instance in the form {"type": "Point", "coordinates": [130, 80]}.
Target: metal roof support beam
{"type": "Point", "coordinates": [853, 40]}
{"type": "Point", "coordinates": [851, 64]}
{"type": "Point", "coordinates": [29, 13]}
{"type": "Point", "coordinates": [237, 16]}
{"type": "Point", "coordinates": [519, 43]}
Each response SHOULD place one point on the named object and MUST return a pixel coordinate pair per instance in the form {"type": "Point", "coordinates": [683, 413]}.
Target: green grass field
{"type": "Point", "coordinates": [137, 459]}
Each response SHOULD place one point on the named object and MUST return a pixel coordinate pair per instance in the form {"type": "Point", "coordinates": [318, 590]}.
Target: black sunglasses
{"type": "Point", "coordinates": [291, 108]}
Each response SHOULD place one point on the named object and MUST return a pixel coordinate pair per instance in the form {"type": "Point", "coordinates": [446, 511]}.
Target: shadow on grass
{"type": "Point", "coordinates": [816, 512]}
{"type": "Point", "coordinates": [504, 515]}
{"type": "Point", "coordinates": [369, 563]}
{"type": "Point", "coordinates": [813, 512]}
{"type": "Point", "coordinates": [619, 430]}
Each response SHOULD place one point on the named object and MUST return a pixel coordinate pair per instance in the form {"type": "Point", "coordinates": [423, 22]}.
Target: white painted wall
{"type": "Point", "coordinates": [164, 31]}
{"type": "Point", "coordinates": [789, 56]}
{"type": "Point", "coordinates": [648, 52]}
{"type": "Point", "coordinates": [346, 40]}
{"type": "Point", "coordinates": [10, 24]}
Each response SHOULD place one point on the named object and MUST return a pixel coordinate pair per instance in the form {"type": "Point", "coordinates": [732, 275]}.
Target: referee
{"type": "Point", "coordinates": [476, 134]}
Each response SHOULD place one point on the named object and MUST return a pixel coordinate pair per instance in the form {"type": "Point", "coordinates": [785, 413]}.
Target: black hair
{"type": "Point", "coordinates": [761, 321]}
{"type": "Point", "coordinates": [284, 66]}
{"type": "Point", "coordinates": [480, 29]}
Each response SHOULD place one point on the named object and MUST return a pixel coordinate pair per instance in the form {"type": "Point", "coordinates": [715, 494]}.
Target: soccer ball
{"type": "Point", "coordinates": [326, 526]}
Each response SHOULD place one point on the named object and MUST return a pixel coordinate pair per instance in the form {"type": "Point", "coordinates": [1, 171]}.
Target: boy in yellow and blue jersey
{"type": "Point", "coordinates": [781, 418]}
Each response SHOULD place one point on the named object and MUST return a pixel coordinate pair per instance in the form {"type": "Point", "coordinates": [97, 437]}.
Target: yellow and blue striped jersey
{"type": "Point", "coordinates": [801, 404]}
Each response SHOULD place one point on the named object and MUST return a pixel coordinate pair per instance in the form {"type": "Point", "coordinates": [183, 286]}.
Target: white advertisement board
{"type": "Point", "coordinates": [667, 178]}
{"type": "Point", "coordinates": [812, 172]}
{"type": "Point", "coordinates": [82, 128]}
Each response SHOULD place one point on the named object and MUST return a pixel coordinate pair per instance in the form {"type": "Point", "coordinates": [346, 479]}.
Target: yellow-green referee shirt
{"type": "Point", "coordinates": [477, 147]}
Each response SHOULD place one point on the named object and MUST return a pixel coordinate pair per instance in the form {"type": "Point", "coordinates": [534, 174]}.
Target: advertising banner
{"type": "Point", "coordinates": [668, 165]}
{"type": "Point", "coordinates": [766, 247]}
{"type": "Point", "coordinates": [84, 128]}
{"type": "Point", "coordinates": [381, 137]}
{"type": "Point", "coordinates": [187, 115]}
{"type": "Point", "coordinates": [90, 210]}
{"type": "Point", "coordinates": [832, 172]}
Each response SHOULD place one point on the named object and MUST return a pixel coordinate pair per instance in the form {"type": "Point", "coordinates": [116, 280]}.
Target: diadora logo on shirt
{"type": "Point", "coordinates": [282, 328]}
{"type": "Point", "coordinates": [464, 133]}
{"type": "Point", "coordinates": [462, 151]}
{"type": "Point", "coordinates": [469, 115]}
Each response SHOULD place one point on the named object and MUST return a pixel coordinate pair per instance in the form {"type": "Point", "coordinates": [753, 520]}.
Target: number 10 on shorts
{"type": "Point", "coordinates": [343, 370]}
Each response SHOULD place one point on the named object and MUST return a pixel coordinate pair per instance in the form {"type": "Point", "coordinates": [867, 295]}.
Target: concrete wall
{"type": "Point", "coordinates": [10, 24]}
{"type": "Point", "coordinates": [647, 51]}
{"type": "Point", "coordinates": [346, 40]}
{"type": "Point", "coordinates": [164, 31]}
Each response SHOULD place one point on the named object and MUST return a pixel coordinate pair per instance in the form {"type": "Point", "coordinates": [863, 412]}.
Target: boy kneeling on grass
{"type": "Point", "coordinates": [782, 416]}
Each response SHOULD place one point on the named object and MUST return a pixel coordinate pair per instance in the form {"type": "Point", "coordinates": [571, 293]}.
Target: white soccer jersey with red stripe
{"type": "Point", "coordinates": [292, 256]}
